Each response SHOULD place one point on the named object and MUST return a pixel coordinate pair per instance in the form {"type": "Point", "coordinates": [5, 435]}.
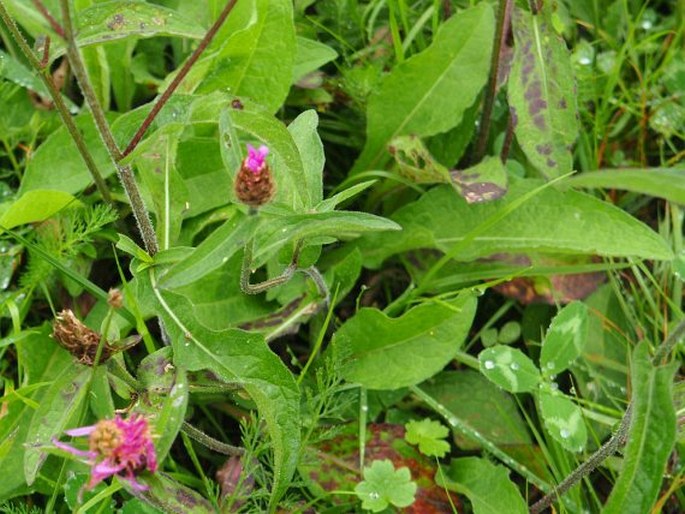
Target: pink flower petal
{"type": "Point", "coordinates": [81, 431]}
{"type": "Point", "coordinates": [72, 450]}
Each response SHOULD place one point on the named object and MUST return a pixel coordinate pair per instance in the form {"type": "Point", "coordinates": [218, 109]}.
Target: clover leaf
{"type": "Point", "coordinates": [429, 435]}
{"type": "Point", "coordinates": [383, 485]}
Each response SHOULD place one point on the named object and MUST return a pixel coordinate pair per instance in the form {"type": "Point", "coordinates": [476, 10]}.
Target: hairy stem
{"type": "Point", "coordinates": [605, 451]}
{"type": "Point", "coordinates": [56, 96]}
{"type": "Point", "coordinates": [208, 441]}
{"type": "Point", "coordinates": [125, 173]}
{"type": "Point", "coordinates": [503, 17]}
{"type": "Point", "coordinates": [617, 440]}
{"type": "Point", "coordinates": [164, 97]}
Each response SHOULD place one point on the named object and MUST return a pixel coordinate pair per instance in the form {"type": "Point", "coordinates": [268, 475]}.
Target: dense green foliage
{"type": "Point", "coordinates": [343, 255]}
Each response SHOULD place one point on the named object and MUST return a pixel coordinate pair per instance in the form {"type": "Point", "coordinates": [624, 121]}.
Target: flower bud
{"type": "Point", "coordinates": [254, 184]}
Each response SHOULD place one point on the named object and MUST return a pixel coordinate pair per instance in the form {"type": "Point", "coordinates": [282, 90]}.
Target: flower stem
{"type": "Point", "coordinates": [56, 96]}
{"type": "Point", "coordinates": [125, 172]}
{"type": "Point", "coordinates": [49, 18]}
{"type": "Point", "coordinates": [208, 441]}
{"type": "Point", "coordinates": [164, 97]}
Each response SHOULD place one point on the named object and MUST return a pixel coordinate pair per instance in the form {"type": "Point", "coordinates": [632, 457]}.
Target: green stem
{"type": "Point", "coordinates": [125, 173]}
{"type": "Point", "coordinates": [56, 96]}
{"type": "Point", "coordinates": [211, 443]}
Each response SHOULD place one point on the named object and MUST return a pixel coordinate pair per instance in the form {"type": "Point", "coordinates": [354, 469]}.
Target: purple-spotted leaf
{"type": "Point", "coordinates": [169, 495]}
{"type": "Point", "coordinates": [541, 93]}
{"type": "Point", "coordinates": [483, 182]}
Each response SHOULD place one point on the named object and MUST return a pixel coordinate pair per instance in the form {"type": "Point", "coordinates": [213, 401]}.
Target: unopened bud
{"type": "Point", "coordinates": [254, 184]}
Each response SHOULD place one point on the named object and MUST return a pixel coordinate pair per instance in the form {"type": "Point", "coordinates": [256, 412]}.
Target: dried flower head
{"type": "Point", "coordinates": [254, 184]}
{"type": "Point", "coordinates": [79, 340]}
{"type": "Point", "coordinates": [82, 342]}
{"type": "Point", "coordinates": [121, 447]}
{"type": "Point", "coordinates": [115, 299]}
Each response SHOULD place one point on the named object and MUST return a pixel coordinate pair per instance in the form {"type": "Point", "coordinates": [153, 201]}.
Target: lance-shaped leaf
{"type": "Point", "coordinates": [662, 183]}
{"type": "Point", "coordinates": [237, 356]}
{"type": "Point", "coordinates": [380, 352]}
{"type": "Point", "coordinates": [428, 93]}
{"type": "Point", "coordinates": [62, 402]}
{"type": "Point", "coordinates": [541, 93]}
{"type": "Point", "coordinates": [35, 206]}
{"type": "Point", "coordinates": [549, 221]}
{"type": "Point", "coordinates": [651, 437]}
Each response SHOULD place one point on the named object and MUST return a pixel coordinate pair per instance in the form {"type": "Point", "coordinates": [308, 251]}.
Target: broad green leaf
{"type": "Point", "coordinates": [509, 368]}
{"type": "Point", "coordinates": [565, 339]}
{"type": "Point", "coordinates": [167, 494]}
{"type": "Point", "coordinates": [214, 251]}
{"type": "Point", "coordinates": [384, 485]}
{"type": "Point", "coordinates": [257, 62]}
{"type": "Point", "coordinates": [551, 221]}
{"type": "Point", "coordinates": [483, 182]}
{"type": "Point", "coordinates": [428, 435]}
{"type": "Point", "coordinates": [44, 361]}
{"type": "Point", "coordinates": [164, 398]}
{"type": "Point", "coordinates": [303, 131]}
{"type": "Point", "coordinates": [14, 71]}
{"type": "Point", "coordinates": [650, 439]}
{"type": "Point", "coordinates": [563, 420]}
{"type": "Point", "coordinates": [541, 93]}
{"type": "Point", "coordinates": [310, 55]}
{"type": "Point", "coordinates": [339, 225]}
{"type": "Point", "coordinates": [33, 206]}
{"type": "Point", "coordinates": [61, 404]}
{"type": "Point", "coordinates": [486, 485]}
{"type": "Point", "coordinates": [57, 165]}
{"type": "Point", "coordinates": [119, 19]}
{"type": "Point", "coordinates": [482, 405]}
{"type": "Point", "coordinates": [428, 93]}
{"type": "Point", "coordinates": [662, 183]}
{"type": "Point", "coordinates": [244, 358]}
{"type": "Point", "coordinates": [380, 352]}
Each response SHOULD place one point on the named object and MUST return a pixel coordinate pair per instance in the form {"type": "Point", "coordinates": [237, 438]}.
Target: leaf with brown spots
{"type": "Point", "coordinates": [483, 182]}
{"type": "Point", "coordinates": [416, 163]}
{"type": "Point", "coordinates": [542, 93]}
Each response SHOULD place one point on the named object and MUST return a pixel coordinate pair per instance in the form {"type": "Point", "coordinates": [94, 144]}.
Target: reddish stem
{"type": "Point", "coordinates": [50, 19]}
{"type": "Point", "coordinates": [164, 98]}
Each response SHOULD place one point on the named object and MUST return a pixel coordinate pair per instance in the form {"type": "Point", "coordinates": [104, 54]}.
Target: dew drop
{"type": "Point", "coordinates": [564, 433]}
{"type": "Point", "coordinates": [489, 364]}
{"type": "Point", "coordinates": [550, 365]}
{"type": "Point", "coordinates": [585, 60]}
{"type": "Point", "coordinates": [514, 366]}
{"type": "Point", "coordinates": [374, 495]}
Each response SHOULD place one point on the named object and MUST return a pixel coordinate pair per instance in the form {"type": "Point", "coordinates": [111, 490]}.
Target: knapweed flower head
{"type": "Point", "coordinates": [121, 447]}
{"type": "Point", "coordinates": [254, 184]}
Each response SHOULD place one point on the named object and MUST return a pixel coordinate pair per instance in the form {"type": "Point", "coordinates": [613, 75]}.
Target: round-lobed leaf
{"type": "Point", "coordinates": [509, 368]}
{"type": "Point", "coordinates": [563, 420]}
{"type": "Point", "coordinates": [565, 339]}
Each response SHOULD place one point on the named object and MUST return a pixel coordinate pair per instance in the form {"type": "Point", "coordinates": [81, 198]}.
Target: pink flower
{"type": "Point", "coordinates": [116, 446]}
{"type": "Point", "coordinates": [255, 158]}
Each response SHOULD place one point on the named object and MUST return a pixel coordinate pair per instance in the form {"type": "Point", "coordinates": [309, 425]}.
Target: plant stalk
{"type": "Point", "coordinates": [617, 440]}
{"type": "Point", "coordinates": [125, 173]}
{"type": "Point", "coordinates": [164, 97]}
{"type": "Point", "coordinates": [49, 18]}
{"type": "Point", "coordinates": [501, 33]}
{"type": "Point", "coordinates": [61, 107]}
